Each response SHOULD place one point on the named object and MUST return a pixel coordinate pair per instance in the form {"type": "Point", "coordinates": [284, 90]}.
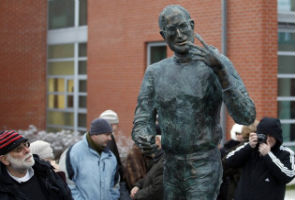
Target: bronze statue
{"type": "Point", "coordinates": [186, 92]}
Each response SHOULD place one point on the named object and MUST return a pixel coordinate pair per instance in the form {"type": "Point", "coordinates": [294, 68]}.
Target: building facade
{"type": "Point", "coordinates": [63, 62]}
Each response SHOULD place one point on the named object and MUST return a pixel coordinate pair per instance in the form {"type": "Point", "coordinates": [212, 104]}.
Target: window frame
{"type": "Point", "coordinates": [69, 35]}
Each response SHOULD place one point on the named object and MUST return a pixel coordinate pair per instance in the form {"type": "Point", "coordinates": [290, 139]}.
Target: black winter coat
{"type": "Point", "coordinates": [231, 176]}
{"type": "Point", "coordinates": [263, 177]}
{"type": "Point", "coordinates": [151, 186]}
{"type": "Point", "coordinates": [53, 187]}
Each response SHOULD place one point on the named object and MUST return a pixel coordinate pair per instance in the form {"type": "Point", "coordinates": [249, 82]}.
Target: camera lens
{"type": "Point", "coordinates": [261, 138]}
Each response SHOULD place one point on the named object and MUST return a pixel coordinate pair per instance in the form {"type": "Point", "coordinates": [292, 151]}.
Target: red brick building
{"type": "Point", "coordinates": [64, 62]}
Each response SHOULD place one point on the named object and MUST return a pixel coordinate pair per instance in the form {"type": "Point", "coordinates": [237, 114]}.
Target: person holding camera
{"type": "Point", "coordinates": [267, 165]}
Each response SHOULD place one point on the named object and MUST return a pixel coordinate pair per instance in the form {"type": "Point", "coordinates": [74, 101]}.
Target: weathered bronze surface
{"type": "Point", "coordinates": [186, 91]}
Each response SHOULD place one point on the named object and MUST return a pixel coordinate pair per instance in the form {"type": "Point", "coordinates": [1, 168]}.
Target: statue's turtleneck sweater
{"type": "Point", "coordinates": [182, 59]}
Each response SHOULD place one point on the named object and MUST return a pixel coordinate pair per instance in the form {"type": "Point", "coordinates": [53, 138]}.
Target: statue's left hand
{"type": "Point", "coordinates": [206, 54]}
{"type": "Point", "coordinates": [146, 143]}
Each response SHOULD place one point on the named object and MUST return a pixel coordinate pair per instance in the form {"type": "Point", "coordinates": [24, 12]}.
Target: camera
{"type": "Point", "coordinates": [261, 138]}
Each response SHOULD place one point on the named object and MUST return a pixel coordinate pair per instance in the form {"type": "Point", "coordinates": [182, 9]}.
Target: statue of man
{"type": "Point", "coordinates": [185, 92]}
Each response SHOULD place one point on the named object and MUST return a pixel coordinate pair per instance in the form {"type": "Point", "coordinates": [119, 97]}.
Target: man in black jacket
{"type": "Point", "coordinates": [267, 165]}
{"type": "Point", "coordinates": [151, 186]}
{"type": "Point", "coordinates": [24, 176]}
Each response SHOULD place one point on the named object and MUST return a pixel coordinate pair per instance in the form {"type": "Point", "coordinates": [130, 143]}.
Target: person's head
{"type": "Point", "coordinates": [100, 132]}
{"type": "Point", "coordinates": [15, 152]}
{"type": "Point", "coordinates": [236, 132]}
{"type": "Point", "coordinates": [43, 149]}
{"type": "Point", "coordinates": [111, 117]}
{"type": "Point", "coordinates": [177, 28]}
{"type": "Point", "coordinates": [271, 127]}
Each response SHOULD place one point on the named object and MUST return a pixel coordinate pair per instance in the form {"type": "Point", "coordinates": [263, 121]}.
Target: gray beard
{"type": "Point", "coordinates": [20, 164]}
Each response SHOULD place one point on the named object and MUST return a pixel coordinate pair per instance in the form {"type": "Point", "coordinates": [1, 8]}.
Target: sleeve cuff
{"type": "Point", "coordinates": [226, 89]}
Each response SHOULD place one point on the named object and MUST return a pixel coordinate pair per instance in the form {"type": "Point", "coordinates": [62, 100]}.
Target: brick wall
{"type": "Point", "coordinates": [252, 47]}
{"type": "Point", "coordinates": [118, 32]}
{"type": "Point", "coordinates": [117, 36]}
{"type": "Point", "coordinates": [23, 63]}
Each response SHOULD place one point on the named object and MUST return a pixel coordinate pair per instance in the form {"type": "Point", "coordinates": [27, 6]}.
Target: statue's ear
{"type": "Point", "coordinates": [163, 35]}
{"type": "Point", "coordinates": [192, 23]}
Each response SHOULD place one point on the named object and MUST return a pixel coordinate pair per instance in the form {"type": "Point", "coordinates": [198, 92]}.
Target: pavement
{"type": "Point", "coordinates": [290, 195]}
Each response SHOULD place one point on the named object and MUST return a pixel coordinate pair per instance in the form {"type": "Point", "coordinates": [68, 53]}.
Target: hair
{"type": "Point", "coordinates": [246, 130]}
{"type": "Point", "coordinates": [169, 9]}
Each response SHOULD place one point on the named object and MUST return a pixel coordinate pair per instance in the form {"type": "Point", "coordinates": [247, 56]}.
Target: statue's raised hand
{"type": "Point", "coordinates": [211, 57]}
{"type": "Point", "coordinates": [206, 54]}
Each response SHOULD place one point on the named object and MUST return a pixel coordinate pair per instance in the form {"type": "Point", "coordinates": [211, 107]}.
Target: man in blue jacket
{"type": "Point", "coordinates": [94, 165]}
{"type": "Point", "coordinates": [267, 165]}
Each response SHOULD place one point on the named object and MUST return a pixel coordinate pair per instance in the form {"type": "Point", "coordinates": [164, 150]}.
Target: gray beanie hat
{"type": "Point", "coordinates": [100, 126]}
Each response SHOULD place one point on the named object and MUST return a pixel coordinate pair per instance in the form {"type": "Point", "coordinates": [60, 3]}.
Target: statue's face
{"type": "Point", "coordinates": [178, 31]}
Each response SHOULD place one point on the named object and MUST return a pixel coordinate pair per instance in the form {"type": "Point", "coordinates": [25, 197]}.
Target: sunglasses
{"type": "Point", "coordinates": [21, 147]}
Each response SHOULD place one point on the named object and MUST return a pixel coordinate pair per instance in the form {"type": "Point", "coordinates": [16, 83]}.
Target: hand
{"type": "Point", "coordinates": [211, 58]}
{"type": "Point", "coordinates": [146, 144]}
{"type": "Point", "coordinates": [133, 191]}
{"type": "Point", "coordinates": [264, 148]}
{"type": "Point", "coordinates": [206, 54]}
{"type": "Point", "coordinates": [253, 140]}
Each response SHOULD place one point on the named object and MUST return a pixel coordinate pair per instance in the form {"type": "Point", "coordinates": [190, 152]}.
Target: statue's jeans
{"type": "Point", "coordinates": [194, 176]}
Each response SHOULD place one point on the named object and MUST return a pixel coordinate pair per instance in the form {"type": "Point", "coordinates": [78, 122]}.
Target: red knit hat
{"type": "Point", "coordinates": [9, 140]}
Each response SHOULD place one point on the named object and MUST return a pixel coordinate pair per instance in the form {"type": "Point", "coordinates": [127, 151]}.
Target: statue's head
{"type": "Point", "coordinates": [177, 28]}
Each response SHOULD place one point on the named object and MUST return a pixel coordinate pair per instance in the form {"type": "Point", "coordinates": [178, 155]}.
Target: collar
{"type": "Point", "coordinates": [182, 60]}
{"type": "Point", "coordinates": [28, 176]}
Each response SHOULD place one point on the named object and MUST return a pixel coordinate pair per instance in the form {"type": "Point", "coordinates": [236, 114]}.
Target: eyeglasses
{"type": "Point", "coordinates": [21, 147]}
{"type": "Point", "coordinates": [183, 27]}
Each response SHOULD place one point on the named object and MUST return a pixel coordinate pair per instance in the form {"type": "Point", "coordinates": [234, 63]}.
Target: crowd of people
{"type": "Point", "coordinates": [255, 163]}
{"type": "Point", "coordinates": [176, 132]}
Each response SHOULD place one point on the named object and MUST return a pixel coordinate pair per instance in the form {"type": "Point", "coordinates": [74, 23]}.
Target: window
{"type": "Point", "coordinates": [67, 65]}
{"type": "Point", "coordinates": [67, 13]}
{"type": "Point", "coordinates": [286, 5]}
{"type": "Point", "coordinates": [67, 84]}
{"type": "Point", "coordinates": [82, 12]}
{"type": "Point", "coordinates": [286, 70]}
{"type": "Point", "coordinates": [156, 51]}
{"type": "Point", "coordinates": [61, 13]}
{"type": "Point", "coordinates": [286, 82]}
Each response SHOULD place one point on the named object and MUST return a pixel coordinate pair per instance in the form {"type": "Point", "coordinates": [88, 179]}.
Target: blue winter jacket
{"type": "Point", "coordinates": [94, 174]}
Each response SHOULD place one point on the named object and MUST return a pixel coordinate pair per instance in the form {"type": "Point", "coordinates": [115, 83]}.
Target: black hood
{"type": "Point", "coordinates": [271, 126]}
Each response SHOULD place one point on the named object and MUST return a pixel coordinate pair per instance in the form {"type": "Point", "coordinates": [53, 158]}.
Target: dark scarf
{"type": "Point", "coordinates": [94, 146]}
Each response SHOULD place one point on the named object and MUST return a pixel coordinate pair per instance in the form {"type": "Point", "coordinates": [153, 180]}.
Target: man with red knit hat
{"type": "Point", "coordinates": [25, 176]}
